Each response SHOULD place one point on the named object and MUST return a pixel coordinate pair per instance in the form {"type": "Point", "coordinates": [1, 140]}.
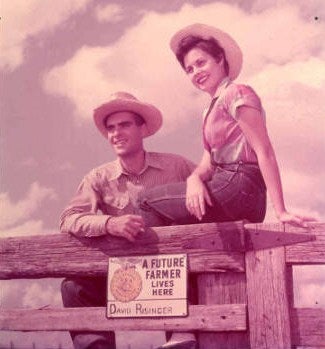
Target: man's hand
{"type": "Point", "coordinates": [196, 197]}
{"type": "Point", "coordinates": [127, 226]}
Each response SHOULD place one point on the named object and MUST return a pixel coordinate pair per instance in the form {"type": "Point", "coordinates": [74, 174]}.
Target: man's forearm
{"type": "Point", "coordinates": [84, 224]}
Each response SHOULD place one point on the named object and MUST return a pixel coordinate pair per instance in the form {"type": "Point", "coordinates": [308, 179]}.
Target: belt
{"type": "Point", "coordinates": [215, 160]}
{"type": "Point", "coordinates": [235, 163]}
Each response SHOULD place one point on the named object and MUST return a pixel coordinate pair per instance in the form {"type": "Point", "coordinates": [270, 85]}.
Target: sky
{"type": "Point", "coordinates": [61, 59]}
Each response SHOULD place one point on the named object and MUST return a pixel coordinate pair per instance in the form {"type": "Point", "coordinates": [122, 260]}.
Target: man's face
{"type": "Point", "coordinates": [124, 134]}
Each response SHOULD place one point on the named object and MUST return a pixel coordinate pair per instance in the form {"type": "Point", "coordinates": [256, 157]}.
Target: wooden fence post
{"type": "Point", "coordinates": [268, 301]}
{"type": "Point", "coordinates": [222, 288]}
{"type": "Point", "coordinates": [291, 301]}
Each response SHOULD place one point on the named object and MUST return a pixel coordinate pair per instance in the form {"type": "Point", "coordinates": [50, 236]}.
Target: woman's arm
{"type": "Point", "coordinates": [204, 168]}
{"type": "Point", "coordinates": [196, 192]}
{"type": "Point", "coordinates": [254, 128]}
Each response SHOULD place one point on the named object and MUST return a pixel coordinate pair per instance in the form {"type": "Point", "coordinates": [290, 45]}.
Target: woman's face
{"type": "Point", "coordinates": [203, 70]}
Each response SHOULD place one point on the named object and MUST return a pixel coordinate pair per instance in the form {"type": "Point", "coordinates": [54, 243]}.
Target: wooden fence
{"type": "Point", "coordinates": [245, 283]}
{"type": "Point", "coordinates": [12, 345]}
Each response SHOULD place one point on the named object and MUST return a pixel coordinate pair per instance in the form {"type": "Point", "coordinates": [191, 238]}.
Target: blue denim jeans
{"type": "Point", "coordinates": [237, 191]}
{"type": "Point", "coordinates": [87, 292]}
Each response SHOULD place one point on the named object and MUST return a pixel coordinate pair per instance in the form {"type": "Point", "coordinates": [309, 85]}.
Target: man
{"type": "Point", "coordinates": [105, 200]}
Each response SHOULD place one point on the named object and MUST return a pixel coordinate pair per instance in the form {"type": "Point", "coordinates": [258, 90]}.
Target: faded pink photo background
{"type": "Point", "coordinates": [61, 59]}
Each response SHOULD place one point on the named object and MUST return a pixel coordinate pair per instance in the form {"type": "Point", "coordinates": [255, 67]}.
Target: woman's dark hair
{"type": "Point", "coordinates": [210, 46]}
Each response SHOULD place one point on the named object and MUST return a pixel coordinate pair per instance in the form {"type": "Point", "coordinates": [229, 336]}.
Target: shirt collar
{"type": "Point", "coordinates": [222, 86]}
{"type": "Point", "coordinates": [149, 161]}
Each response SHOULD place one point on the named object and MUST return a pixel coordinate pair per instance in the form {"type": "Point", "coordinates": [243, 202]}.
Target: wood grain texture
{"type": "Point", "coordinates": [61, 255]}
{"type": "Point", "coordinates": [212, 247]}
{"type": "Point", "coordinates": [268, 304]}
{"type": "Point", "coordinates": [201, 317]}
{"type": "Point", "coordinates": [308, 327]}
{"type": "Point", "coordinates": [222, 288]}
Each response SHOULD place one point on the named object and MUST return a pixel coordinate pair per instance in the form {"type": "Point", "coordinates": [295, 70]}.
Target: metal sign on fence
{"type": "Point", "coordinates": [147, 286]}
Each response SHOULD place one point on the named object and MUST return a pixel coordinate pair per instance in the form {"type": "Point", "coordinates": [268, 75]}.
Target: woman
{"type": "Point", "coordinates": [238, 162]}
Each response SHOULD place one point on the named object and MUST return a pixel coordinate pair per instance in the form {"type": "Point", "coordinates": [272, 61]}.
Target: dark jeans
{"type": "Point", "coordinates": [237, 191]}
{"type": "Point", "coordinates": [87, 292]}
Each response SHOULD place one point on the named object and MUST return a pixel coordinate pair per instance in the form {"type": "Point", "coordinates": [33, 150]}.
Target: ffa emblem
{"type": "Point", "coordinates": [126, 284]}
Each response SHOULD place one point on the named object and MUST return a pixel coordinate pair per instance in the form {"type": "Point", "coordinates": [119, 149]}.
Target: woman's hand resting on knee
{"type": "Point", "coordinates": [197, 196]}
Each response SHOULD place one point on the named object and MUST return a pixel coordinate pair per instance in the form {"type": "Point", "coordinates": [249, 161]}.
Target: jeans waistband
{"type": "Point", "coordinates": [238, 164]}
{"type": "Point", "coordinates": [250, 169]}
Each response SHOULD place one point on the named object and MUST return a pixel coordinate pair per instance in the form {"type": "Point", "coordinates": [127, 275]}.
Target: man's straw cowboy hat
{"type": "Point", "coordinates": [123, 101]}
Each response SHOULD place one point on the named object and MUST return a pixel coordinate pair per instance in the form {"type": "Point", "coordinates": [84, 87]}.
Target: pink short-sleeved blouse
{"type": "Point", "coordinates": [222, 134]}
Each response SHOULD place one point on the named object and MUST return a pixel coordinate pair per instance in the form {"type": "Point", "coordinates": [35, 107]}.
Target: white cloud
{"type": "Point", "coordinates": [295, 206]}
{"type": "Point", "coordinates": [41, 295]}
{"type": "Point", "coordinates": [32, 227]}
{"type": "Point", "coordinates": [309, 286]}
{"type": "Point", "coordinates": [309, 72]}
{"type": "Point", "coordinates": [297, 186]}
{"type": "Point", "coordinates": [142, 63]}
{"type": "Point", "coordinates": [21, 20]}
{"type": "Point", "coordinates": [33, 294]}
{"type": "Point", "coordinates": [283, 61]}
{"type": "Point", "coordinates": [30, 293]}
{"type": "Point", "coordinates": [109, 13]}
{"type": "Point", "coordinates": [66, 166]}
{"type": "Point", "coordinates": [292, 95]}
{"type": "Point", "coordinates": [309, 295]}
{"type": "Point", "coordinates": [13, 213]}
{"type": "Point", "coordinates": [29, 162]}
{"type": "Point", "coordinates": [278, 35]}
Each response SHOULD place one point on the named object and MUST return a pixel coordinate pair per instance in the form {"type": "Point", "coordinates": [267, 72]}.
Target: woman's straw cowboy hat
{"type": "Point", "coordinates": [233, 52]}
{"type": "Point", "coordinates": [123, 101]}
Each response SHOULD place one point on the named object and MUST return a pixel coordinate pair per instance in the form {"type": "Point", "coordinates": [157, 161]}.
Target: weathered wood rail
{"type": "Point", "coordinates": [244, 282]}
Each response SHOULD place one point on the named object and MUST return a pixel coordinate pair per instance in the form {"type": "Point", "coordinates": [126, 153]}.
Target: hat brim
{"type": "Point", "coordinates": [233, 52]}
{"type": "Point", "coordinates": [151, 115]}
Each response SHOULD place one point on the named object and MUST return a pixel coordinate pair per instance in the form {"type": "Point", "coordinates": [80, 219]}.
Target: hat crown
{"type": "Point", "coordinates": [124, 101]}
{"type": "Point", "coordinates": [232, 51]}
{"type": "Point", "coordinates": [121, 95]}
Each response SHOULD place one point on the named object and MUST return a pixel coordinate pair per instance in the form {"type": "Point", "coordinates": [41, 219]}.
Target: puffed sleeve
{"type": "Point", "coordinates": [242, 95]}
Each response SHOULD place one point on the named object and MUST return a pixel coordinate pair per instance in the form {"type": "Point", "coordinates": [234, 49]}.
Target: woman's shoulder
{"type": "Point", "coordinates": [236, 94]}
{"type": "Point", "coordinates": [239, 89]}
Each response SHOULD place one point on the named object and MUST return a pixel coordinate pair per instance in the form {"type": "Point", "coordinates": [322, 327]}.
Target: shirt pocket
{"type": "Point", "coordinates": [115, 199]}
